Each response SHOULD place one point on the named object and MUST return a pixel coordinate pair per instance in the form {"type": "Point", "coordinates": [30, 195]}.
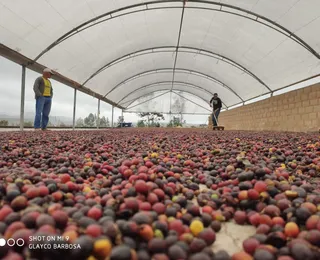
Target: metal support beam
{"type": "Point", "coordinates": [181, 70]}
{"type": "Point", "coordinates": [23, 90]}
{"type": "Point", "coordinates": [98, 116]}
{"type": "Point", "coordinates": [182, 83]}
{"type": "Point", "coordinates": [185, 91]}
{"type": "Point", "coordinates": [170, 104]}
{"type": "Point", "coordinates": [170, 117]}
{"type": "Point", "coordinates": [74, 109]}
{"type": "Point", "coordinates": [122, 121]}
{"type": "Point", "coordinates": [207, 5]}
{"type": "Point", "coordinates": [298, 82]}
{"type": "Point", "coordinates": [37, 67]}
{"type": "Point", "coordinates": [182, 50]}
{"type": "Point", "coordinates": [129, 106]}
{"type": "Point", "coordinates": [112, 116]}
{"type": "Point", "coordinates": [191, 101]}
{"type": "Point", "coordinates": [167, 113]}
{"type": "Point", "coordinates": [177, 51]}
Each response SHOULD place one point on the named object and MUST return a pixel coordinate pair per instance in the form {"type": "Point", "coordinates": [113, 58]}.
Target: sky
{"type": "Point", "coordinates": [10, 89]}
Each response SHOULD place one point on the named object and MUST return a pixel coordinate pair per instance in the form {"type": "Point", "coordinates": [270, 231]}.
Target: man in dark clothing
{"type": "Point", "coordinates": [216, 103]}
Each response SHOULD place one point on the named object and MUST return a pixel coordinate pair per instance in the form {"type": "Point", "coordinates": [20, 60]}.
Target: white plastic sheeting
{"type": "Point", "coordinates": [209, 86]}
{"type": "Point", "coordinates": [181, 103]}
{"type": "Point", "coordinates": [191, 89]}
{"type": "Point", "coordinates": [239, 48]}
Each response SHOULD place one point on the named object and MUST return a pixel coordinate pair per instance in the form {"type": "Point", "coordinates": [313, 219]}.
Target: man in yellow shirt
{"type": "Point", "coordinates": [43, 94]}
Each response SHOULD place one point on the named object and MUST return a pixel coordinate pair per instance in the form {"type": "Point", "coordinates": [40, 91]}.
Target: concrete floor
{"type": "Point", "coordinates": [231, 235]}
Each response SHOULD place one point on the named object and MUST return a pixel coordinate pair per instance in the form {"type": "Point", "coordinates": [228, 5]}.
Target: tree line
{"type": "Point", "coordinates": [90, 121]}
{"type": "Point", "coordinates": [147, 120]}
{"type": "Point", "coordinates": [153, 120]}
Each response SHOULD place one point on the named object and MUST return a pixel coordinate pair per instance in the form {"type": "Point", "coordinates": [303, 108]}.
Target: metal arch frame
{"type": "Point", "coordinates": [172, 113]}
{"type": "Point", "coordinates": [258, 18]}
{"type": "Point", "coordinates": [192, 72]}
{"type": "Point", "coordinates": [185, 91]}
{"type": "Point", "coordinates": [169, 90]}
{"type": "Point", "coordinates": [176, 52]}
{"type": "Point", "coordinates": [181, 83]}
{"type": "Point", "coordinates": [163, 83]}
{"type": "Point", "coordinates": [192, 50]}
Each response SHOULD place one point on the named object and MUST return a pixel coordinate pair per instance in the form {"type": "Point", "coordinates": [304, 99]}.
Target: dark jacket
{"type": "Point", "coordinates": [39, 86]}
{"type": "Point", "coordinates": [216, 103]}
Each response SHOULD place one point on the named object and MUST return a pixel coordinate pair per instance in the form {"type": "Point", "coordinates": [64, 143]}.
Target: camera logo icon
{"type": "Point", "coordinates": [11, 242]}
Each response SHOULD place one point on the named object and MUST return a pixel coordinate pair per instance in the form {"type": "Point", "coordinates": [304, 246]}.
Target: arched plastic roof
{"type": "Point", "coordinates": [239, 48]}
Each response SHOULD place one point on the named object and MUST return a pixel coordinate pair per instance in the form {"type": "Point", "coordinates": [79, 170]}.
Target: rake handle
{"type": "Point", "coordinates": [214, 114]}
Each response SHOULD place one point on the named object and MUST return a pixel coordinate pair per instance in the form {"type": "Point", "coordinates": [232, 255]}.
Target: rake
{"type": "Point", "coordinates": [218, 127]}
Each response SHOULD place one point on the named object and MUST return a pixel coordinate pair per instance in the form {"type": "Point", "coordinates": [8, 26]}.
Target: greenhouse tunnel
{"type": "Point", "coordinates": [132, 159]}
{"type": "Point", "coordinates": [119, 53]}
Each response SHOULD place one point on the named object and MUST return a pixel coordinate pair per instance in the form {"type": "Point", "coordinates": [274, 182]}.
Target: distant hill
{"type": "Point", "coordinates": [57, 120]}
{"type": "Point", "coordinates": [29, 117]}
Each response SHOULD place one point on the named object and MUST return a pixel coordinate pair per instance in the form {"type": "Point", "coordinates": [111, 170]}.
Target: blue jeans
{"type": "Point", "coordinates": [215, 123]}
{"type": "Point", "coordinates": [43, 107]}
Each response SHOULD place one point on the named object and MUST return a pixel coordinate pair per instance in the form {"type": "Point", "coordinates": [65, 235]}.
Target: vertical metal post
{"type": "Point", "coordinates": [112, 116]}
{"type": "Point", "coordinates": [98, 119]}
{"type": "Point", "coordinates": [23, 90]}
{"type": "Point", "coordinates": [74, 109]}
{"type": "Point", "coordinates": [122, 121]}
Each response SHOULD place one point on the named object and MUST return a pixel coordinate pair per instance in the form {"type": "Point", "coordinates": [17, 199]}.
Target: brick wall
{"type": "Point", "coordinates": [298, 111]}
